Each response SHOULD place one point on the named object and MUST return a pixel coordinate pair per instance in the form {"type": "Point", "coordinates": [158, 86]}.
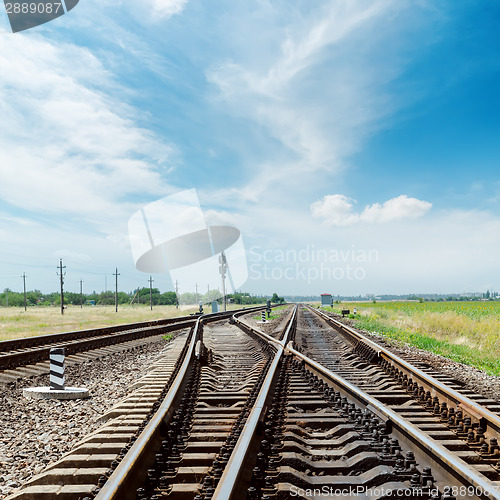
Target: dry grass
{"type": "Point", "coordinates": [468, 332]}
{"type": "Point", "coordinates": [482, 333]}
{"type": "Point", "coordinates": [17, 323]}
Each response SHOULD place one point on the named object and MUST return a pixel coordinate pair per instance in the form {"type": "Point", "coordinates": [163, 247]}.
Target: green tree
{"type": "Point", "coordinates": [275, 299]}
{"type": "Point", "coordinates": [168, 299]}
{"type": "Point", "coordinates": [188, 298]}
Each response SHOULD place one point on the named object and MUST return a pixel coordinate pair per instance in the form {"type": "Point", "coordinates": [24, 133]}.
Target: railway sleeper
{"type": "Point", "coordinates": [212, 417]}
{"type": "Point", "coordinates": [401, 391]}
{"type": "Point", "coordinates": [79, 473]}
{"type": "Point", "coordinates": [335, 445]}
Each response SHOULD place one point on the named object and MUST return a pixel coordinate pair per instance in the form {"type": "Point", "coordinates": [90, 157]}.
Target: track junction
{"type": "Point", "coordinates": [310, 409]}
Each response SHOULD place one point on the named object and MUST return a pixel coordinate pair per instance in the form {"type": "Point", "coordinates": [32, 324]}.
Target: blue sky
{"type": "Point", "coordinates": [335, 126]}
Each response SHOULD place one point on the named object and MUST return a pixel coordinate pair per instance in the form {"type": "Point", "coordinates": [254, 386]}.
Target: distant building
{"type": "Point", "coordinates": [326, 299]}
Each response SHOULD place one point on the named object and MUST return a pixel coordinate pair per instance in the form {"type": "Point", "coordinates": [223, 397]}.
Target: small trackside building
{"type": "Point", "coordinates": [326, 299]}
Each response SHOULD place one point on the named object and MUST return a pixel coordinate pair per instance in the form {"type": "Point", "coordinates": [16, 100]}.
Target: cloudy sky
{"type": "Point", "coordinates": [354, 143]}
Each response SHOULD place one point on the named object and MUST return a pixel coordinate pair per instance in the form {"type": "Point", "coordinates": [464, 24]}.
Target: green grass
{"type": "Point", "coordinates": [467, 332]}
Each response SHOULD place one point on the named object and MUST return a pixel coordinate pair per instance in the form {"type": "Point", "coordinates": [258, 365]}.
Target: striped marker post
{"type": "Point", "coordinates": [57, 369]}
{"type": "Point", "coordinates": [56, 389]}
{"type": "Point", "coordinates": [263, 316]}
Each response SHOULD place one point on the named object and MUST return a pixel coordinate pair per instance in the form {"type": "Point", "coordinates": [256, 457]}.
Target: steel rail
{"type": "Point", "coordinates": [349, 331]}
{"type": "Point", "coordinates": [131, 470]}
{"type": "Point", "coordinates": [458, 471]}
{"type": "Point", "coordinates": [459, 468]}
{"type": "Point", "coordinates": [246, 326]}
{"type": "Point", "coordinates": [228, 484]}
{"type": "Point", "coordinates": [52, 338]}
{"type": "Point", "coordinates": [16, 359]}
{"type": "Point", "coordinates": [37, 349]}
{"type": "Point", "coordinates": [487, 419]}
{"type": "Point", "coordinates": [249, 328]}
{"type": "Point", "coordinates": [119, 485]}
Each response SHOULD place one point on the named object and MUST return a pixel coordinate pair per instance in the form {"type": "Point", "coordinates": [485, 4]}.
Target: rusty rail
{"type": "Point", "coordinates": [122, 484]}
{"type": "Point", "coordinates": [460, 473]}
{"type": "Point", "coordinates": [229, 482]}
{"type": "Point", "coordinates": [486, 419]}
{"type": "Point", "coordinates": [53, 338]}
{"type": "Point", "coordinates": [36, 349]}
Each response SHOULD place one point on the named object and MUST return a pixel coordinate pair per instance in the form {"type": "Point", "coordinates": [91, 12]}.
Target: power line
{"type": "Point", "coordinates": [25, 265]}
{"type": "Point", "coordinates": [24, 256]}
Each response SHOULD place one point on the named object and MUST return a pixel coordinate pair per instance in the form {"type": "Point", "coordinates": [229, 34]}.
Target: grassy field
{"type": "Point", "coordinates": [468, 332]}
{"type": "Point", "coordinates": [16, 323]}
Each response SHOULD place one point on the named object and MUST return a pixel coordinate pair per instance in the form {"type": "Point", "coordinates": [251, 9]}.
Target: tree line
{"type": "Point", "coordinates": [140, 296]}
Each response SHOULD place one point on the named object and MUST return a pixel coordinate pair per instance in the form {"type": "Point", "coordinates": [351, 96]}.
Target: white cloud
{"type": "Point", "coordinates": [337, 210]}
{"type": "Point", "coordinates": [76, 257]}
{"type": "Point", "coordinates": [220, 217]}
{"type": "Point", "coordinates": [424, 255]}
{"type": "Point", "coordinates": [17, 220]}
{"type": "Point", "coordinates": [69, 144]}
{"type": "Point", "coordinates": [303, 90]}
{"type": "Point", "coordinates": [401, 207]}
{"type": "Point", "coordinates": [168, 8]}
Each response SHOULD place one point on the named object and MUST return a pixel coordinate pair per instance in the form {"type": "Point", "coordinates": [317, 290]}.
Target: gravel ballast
{"type": "Point", "coordinates": [472, 378]}
{"type": "Point", "coordinates": [36, 433]}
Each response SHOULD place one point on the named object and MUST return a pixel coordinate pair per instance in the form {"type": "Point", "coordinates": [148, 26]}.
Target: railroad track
{"type": "Point", "coordinates": [25, 351]}
{"type": "Point", "coordinates": [31, 350]}
{"type": "Point", "coordinates": [318, 411]}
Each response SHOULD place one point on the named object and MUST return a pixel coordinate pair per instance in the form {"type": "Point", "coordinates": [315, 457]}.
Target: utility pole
{"type": "Point", "coordinates": [116, 274]}
{"type": "Point", "coordinates": [196, 288]}
{"type": "Point", "coordinates": [135, 295]}
{"type": "Point", "coordinates": [81, 294]}
{"type": "Point", "coordinates": [223, 270]}
{"type": "Point", "coordinates": [24, 284]}
{"type": "Point", "coordinates": [105, 282]}
{"type": "Point", "coordinates": [61, 276]}
{"type": "Point", "coordinates": [7, 297]}
{"type": "Point", "coordinates": [208, 294]}
{"type": "Point", "coordinates": [176, 294]}
{"type": "Point", "coordinates": [151, 292]}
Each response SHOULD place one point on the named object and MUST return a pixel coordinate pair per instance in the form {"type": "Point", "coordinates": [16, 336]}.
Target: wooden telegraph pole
{"type": "Point", "coordinates": [116, 274]}
{"type": "Point", "coordinates": [61, 276]}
